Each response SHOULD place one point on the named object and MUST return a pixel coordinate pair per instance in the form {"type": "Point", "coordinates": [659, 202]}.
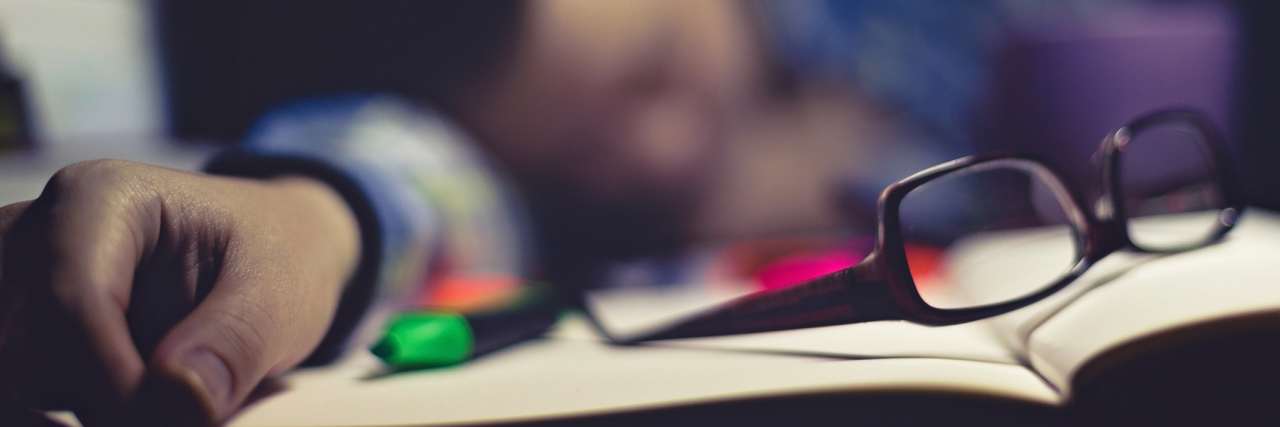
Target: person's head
{"type": "Point", "coordinates": [609, 114]}
{"type": "Point", "coordinates": [612, 114]}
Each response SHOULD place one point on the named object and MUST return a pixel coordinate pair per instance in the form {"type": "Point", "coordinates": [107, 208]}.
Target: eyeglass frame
{"type": "Point", "coordinates": [881, 287]}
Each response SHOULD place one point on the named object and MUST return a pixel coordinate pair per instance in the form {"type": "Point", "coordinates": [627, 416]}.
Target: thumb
{"type": "Point", "coordinates": [207, 365]}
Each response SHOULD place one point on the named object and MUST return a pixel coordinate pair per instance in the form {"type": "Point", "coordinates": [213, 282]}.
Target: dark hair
{"type": "Point", "coordinates": [228, 61]}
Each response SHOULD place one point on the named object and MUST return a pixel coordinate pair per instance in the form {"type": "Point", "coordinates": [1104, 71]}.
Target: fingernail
{"type": "Point", "coordinates": [214, 376]}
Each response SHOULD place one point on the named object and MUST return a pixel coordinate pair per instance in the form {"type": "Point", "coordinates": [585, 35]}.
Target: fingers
{"type": "Point", "coordinates": [69, 267]}
{"type": "Point", "coordinates": [86, 285]}
{"type": "Point", "coordinates": [100, 228]}
{"type": "Point", "coordinates": [99, 369]}
{"type": "Point", "coordinates": [9, 214]}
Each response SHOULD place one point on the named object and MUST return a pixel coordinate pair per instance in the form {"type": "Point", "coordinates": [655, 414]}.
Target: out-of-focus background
{"type": "Point", "coordinates": [903, 84]}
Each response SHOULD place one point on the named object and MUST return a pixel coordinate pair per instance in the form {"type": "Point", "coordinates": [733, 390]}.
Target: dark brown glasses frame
{"type": "Point", "coordinates": [881, 287]}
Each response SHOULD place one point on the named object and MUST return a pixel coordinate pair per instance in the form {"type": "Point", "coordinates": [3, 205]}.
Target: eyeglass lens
{"type": "Point", "coordinates": [987, 235]}
{"type": "Point", "coordinates": [1168, 187]}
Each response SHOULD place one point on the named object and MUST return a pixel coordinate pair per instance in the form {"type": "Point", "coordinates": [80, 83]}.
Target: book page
{"type": "Point", "coordinates": [992, 266]}
{"type": "Point", "coordinates": [1015, 327]}
{"type": "Point", "coordinates": [557, 378]}
{"type": "Point", "coordinates": [573, 373]}
{"type": "Point", "coordinates": [1224, 282]}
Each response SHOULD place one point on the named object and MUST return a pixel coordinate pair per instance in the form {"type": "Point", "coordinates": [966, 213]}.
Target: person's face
{"type": "Point", "coordinates": [619, 101]}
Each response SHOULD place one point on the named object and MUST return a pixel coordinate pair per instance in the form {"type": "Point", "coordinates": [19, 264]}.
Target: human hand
{"type": "Point", "coordinates": [137, 294]}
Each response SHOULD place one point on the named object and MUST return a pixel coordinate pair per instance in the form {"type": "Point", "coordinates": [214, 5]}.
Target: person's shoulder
{"type": "Point", "coordinates": [329, 123]}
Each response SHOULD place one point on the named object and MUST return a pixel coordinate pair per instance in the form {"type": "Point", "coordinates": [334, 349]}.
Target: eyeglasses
{"type": "Point", "coordinates": [984, 235]}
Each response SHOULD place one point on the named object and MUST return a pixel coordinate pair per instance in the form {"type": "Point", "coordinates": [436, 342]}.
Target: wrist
{"type": "Point", "coordinates": [325, 220]}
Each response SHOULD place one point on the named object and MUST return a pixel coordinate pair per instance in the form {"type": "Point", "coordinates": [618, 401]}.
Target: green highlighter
{"type": "Point", "coordinates": [438, 338]}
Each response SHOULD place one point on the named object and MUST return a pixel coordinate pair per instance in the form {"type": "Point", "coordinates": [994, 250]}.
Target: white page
{"type": "Point", "coordinates": [564, 377]}
{"type": "Point", "coordinates": [1015, 327]}
{"type": "Point", "coordinates": [1234, 278]}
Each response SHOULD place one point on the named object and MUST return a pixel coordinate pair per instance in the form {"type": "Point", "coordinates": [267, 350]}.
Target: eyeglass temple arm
{"type": "Point", "coordinates": [835, 299]}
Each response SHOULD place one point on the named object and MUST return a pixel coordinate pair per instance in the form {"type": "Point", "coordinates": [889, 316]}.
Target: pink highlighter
{"type": "Point", "coordinates": [797, 268]}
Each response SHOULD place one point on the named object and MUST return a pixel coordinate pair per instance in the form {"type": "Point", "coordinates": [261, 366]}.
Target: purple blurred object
{"type": "Point", "coordinates": [1060, 87]}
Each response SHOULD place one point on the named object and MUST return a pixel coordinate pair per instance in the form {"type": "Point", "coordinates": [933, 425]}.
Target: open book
{"type": "Point", "coordinates": [1155, 339]}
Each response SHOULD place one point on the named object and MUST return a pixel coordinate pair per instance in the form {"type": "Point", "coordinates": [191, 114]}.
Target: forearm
{"type": "Point", "coordinates": [321, 227]}
{"type": "Point", "coordinates": [418, 189]}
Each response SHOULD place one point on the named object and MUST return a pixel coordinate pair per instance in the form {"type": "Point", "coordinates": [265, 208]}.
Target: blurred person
{"type": "Point", "coordinates": [594, 131]}
{"type": "Point", "coordinates": [135, 294]}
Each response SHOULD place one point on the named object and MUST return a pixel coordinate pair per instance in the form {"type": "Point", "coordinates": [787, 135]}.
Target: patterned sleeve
{"type": "Point", "coordinates": [424, 198]}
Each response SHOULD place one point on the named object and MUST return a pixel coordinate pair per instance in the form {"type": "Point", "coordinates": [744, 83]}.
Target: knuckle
{"type": "Point", "coordinates": [90, 171]}
{"type": "Point", "coordinates": [108, 188]}
{"type": "Point", "coordinates": [104, 178]}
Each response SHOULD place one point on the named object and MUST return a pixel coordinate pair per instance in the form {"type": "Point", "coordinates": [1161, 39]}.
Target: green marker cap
{"type": "Point", "coordinates": [426, 339]}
